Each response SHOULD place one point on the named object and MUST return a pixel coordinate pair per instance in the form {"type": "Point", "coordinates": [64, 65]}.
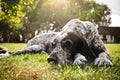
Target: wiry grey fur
{"type": "Point", "coordinates": [77, 43]}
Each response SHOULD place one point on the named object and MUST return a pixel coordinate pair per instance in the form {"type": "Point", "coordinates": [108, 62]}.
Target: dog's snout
{"type": "Point", "coordinates": [52, 59]}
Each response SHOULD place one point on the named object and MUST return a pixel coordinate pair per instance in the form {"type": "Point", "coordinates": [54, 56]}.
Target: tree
{"type": "Point", "coordinates": [12, 15]}
{"type": "Point", "coordinates": [26, 16]}
{"type": "Point", "coordinates": [91, 11]}
{"type": "Point", "coordinates": [58, 12]}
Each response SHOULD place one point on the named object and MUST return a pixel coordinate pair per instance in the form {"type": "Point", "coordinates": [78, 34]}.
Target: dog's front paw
{"type": "Point", "coordinates": [100, 62]}
{"type": "Point", "coordinates": [80, 60]}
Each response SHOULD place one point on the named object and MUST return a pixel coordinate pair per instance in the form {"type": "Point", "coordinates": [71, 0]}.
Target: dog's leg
{"type": "Point", "coordinates": [79, 60]}
{"type": "Point", "coordinates": [28, 49]}
{"type": "Point", "coordinates": [103, 57]}
{"type": "Point", "coordinates": [31, 49]}
{"type": "Point", "coordinates": [103, 60]}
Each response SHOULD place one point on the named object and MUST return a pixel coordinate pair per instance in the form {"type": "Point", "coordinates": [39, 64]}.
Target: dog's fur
{"type": "Point", "coordinates": [77, 43]}
{"type": "Point", "coordinates": [4, 52]}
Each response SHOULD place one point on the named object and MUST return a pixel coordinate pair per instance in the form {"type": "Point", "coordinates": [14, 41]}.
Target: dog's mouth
{"type": "Point", "coordinates": [51, 60]}
{"type": "Point", "coordinates": [63, 62]}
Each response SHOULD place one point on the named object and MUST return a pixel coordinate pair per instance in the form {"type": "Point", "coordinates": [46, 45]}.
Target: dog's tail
{"type": "Point", "coordinates": [4, 52]}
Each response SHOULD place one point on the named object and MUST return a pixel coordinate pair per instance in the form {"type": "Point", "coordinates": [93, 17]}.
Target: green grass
{"type": "Point", "coordinates": [36, 67]}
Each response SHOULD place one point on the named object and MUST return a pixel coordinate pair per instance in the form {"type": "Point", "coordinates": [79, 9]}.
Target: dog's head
{"type": "Point", "coordinates": [66, 45]}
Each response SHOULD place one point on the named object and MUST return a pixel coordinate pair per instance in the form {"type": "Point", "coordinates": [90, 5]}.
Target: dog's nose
{"type": "Point", "coordinates": [52, 59]}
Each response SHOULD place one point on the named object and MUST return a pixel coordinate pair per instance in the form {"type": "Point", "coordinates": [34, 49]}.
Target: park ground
{"type": "Point", "coordinates": [36, 67]}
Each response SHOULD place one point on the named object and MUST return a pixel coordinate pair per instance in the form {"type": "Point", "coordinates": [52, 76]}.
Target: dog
{"type": "Point", "coordinates": [78, 42]}
{"type": "Point", "coordinates": [4, 52]}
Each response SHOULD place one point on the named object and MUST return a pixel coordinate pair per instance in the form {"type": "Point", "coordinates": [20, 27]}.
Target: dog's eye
{"type": "Point", "coordinates": [68, 43]}
{"type": "Point", "coordinates": [53, 44]}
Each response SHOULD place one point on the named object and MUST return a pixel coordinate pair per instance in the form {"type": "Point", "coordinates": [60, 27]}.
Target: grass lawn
{"type": "Point", "coordinates": [36, 67]}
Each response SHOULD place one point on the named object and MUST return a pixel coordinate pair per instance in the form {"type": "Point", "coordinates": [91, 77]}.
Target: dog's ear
{"type": "Point", "coordinates": [81, 44]}
{"type": "Point", "coordinates": [76, 42]}
{"type": "Point", "coordinates": [86, 50]}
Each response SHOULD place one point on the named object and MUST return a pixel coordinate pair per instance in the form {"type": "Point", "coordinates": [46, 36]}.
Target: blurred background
{"type": "Point", "coordinates": [20, 20]}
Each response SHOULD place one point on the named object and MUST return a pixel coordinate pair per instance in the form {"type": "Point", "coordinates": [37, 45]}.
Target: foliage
{"type": "Point", "coordinates": [58, 12]}
{"type": "Point", "coordinates": [35, 67]}
{"type": "Point", "coordinates": [24, 17]}
{"type": "Point", "coordinates": [13, 12]}
{"type": "Point", "coordinates": [12, 18]}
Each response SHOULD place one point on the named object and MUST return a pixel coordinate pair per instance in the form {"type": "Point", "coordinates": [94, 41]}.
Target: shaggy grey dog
{"type": "Point", "coordinates": [77, 43]}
